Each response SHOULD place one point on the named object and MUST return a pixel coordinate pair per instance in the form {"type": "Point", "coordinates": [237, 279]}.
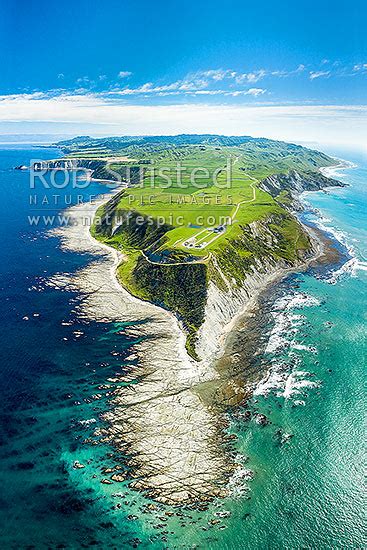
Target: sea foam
{"type": "Point", "coordinates": [285, 379]}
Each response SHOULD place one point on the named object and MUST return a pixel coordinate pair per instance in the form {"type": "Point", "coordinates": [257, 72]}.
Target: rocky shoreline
{"type": "Point", "coordinates": [167, 411]}
{"type": "Point", "coordinates": [175, 444]}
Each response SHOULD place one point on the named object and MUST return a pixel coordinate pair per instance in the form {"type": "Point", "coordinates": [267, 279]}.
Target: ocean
{"type": "Point", "coordinates": [302, 481]}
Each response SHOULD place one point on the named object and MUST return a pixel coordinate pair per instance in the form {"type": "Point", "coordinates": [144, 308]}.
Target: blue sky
{"type": "Point", "coordinates": [99, 66]}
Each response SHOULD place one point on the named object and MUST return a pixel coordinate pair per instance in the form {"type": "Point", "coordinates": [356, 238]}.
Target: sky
{"type": "Point", "coordinates": [287, 70]}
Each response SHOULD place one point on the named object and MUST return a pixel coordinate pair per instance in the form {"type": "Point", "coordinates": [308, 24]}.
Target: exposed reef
{"type": "Point", "coordinates": [167, 417]}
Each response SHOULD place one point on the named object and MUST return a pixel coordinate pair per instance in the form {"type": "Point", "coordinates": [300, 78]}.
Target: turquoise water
{"type": "Point", "coordinates": [307, 462]}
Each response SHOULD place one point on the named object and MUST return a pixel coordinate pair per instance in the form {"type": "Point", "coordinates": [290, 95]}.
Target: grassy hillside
{"type": "Point", "coordinates": [194, 211]}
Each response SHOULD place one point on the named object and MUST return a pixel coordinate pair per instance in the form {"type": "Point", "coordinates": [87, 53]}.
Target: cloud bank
{"type": "Point", "coordinates": [57, 113]}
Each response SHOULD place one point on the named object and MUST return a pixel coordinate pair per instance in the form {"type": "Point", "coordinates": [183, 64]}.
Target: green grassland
{"type": "Point", "coordinates": [203, 188]}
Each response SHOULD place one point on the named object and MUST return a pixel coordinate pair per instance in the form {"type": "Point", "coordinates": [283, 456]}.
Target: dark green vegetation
{"type": "Point", "coordinates": [199, 208]}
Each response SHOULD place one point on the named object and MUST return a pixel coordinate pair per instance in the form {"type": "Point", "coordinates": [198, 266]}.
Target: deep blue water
{"type": "Point", "coordinates": [307, 491]}
{"type": "Point", "coordinates": [48, 374]}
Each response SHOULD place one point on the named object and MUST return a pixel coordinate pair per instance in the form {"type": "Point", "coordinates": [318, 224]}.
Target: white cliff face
{"type": "Point", "coordinates": [296, 183]}
{"type": "Point", "coordinates": [59, 164]}
{"type": "Point", "coordinates": [226, 304]}
{"type": "Point", "coordinates": [223, 307]}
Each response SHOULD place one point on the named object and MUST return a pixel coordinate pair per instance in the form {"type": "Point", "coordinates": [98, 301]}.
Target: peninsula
{"type": "Point", "coordinates": [201, 224]}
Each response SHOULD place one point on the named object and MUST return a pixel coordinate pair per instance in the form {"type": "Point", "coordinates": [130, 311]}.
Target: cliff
{"type": "Point", "coordinates": [220, 283]}
{"type": "Point", "coordinates": [286, 188]}
{"type": "Point", "coordinates": [99, 169]}
{"type": "Point", "coordinates": [206, 293]}
{"type": "Point", "coordinates": [227, 296]}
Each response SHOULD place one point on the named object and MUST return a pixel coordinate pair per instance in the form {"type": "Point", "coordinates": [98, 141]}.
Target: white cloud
{"type": "Point", "coordinates": [205, 82]}
{"type": "Point", "coordinates": [256, 76]}
{"type": "Point", "coordinates": [251, 77]}
{"type": "Point", "coordinates": [216, 74]}
{"type": "Point", "coordinates": [194, 86]}
{"type": "Point", "coordinates": [231, 81]}
{"type": "Point", "coordinates": [83, 80]}
{"type": "Point", "coordinates": [179, 86]}
{"type": "Point", "coordinates": [255, 91]}
{"type": "Point", "coordinates": [124, 74]}
{"type": "Point", "coordinates": [60, 76]}
{"type": "Point", "coordinates": [325, 69]}
{"type": "Point", "coordinates": [360, 67]}
{"type": "Point", "coordinates": [327, 123]}
{"type": "Point", "coordinates": [319, 74]}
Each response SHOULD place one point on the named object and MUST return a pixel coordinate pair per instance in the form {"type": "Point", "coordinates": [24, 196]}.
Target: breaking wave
{"type": "Point", "coordinates": [285, 378]}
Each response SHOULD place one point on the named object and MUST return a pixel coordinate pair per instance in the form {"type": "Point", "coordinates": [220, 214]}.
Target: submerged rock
{"type": "Point", "coordinates": [118, 477]}
{"type": "Point", "coordinates": [77, 465]}
{"type": "Point", "coordinates": [261, 419]}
